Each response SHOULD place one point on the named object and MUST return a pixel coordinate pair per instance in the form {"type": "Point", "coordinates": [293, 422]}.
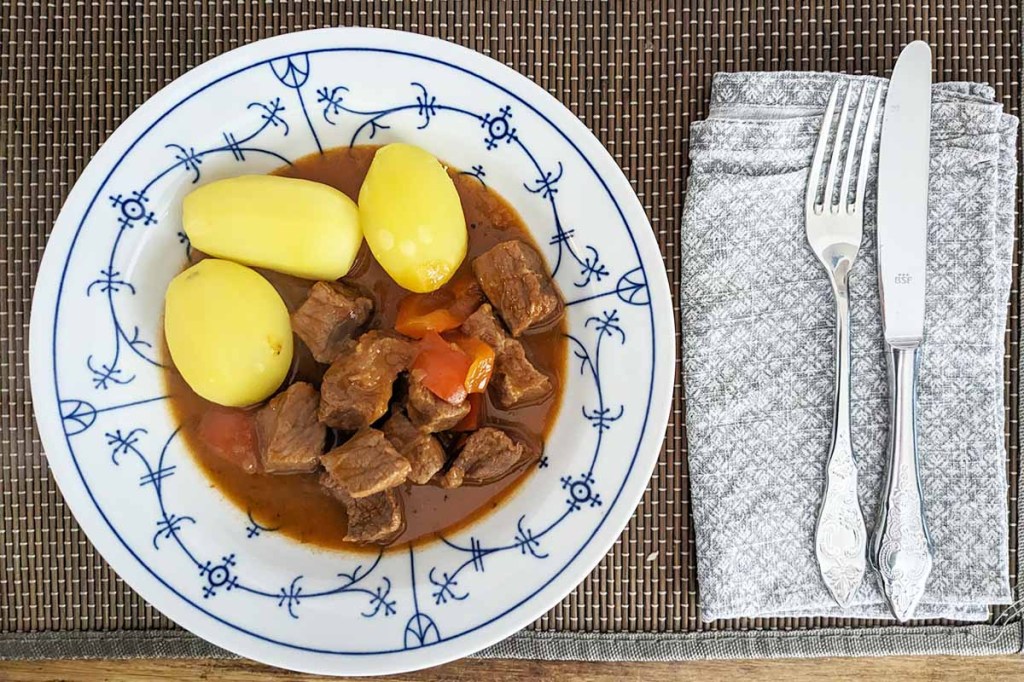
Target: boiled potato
{"type": "Point", "coordinates": [228, 332]}
{"type": "Point", "coordinates": [297, 227]}
{"type": "Point", "coordinates": [412, 217]}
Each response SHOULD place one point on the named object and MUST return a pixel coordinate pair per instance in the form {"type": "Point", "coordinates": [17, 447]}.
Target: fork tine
{"type": "Point", "coordinates": [833, 164]}
{"type": "Point", "coordinates": [865, 154]}
{"type": "Point", "coordinates": [814, 177]}
{"type": "Point", "coordinates": [844, 186]}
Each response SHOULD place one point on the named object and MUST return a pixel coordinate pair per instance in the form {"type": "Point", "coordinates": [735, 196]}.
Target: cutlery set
{"type": "Point", "coordinates": [900, 550]}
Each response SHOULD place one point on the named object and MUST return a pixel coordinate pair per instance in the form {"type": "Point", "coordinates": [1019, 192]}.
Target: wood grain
{"type": "Point", "coordinates": [794, 670]}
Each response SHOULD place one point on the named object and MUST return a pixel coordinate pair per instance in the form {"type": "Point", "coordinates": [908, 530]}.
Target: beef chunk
{"type": "Point", "coordinates": [291, 439]}
{"type": "Point", "coordinates": [366, 464]}
{"type": "Point", "coordinates": [357, 387]}
{"type": "Point", "coordinates": [516, 381]}
{"type": "Point", "coordinates": [422, 450]}
{"type": "Point", "coordinates": [376, 519]}
{"type": "Point", "coordinates": [428, 412]}
{"type": "Point", "coordinates": [512, 276]}
{"type": "Point", "coordinates": [483, 325]}
{"type": "Point", "coordinates": [487, 455]}
{"type": "Point", "coordinates": [332, 313]}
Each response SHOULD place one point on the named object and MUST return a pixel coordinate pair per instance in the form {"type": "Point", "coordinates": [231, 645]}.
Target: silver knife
{"type": "Point", "coordinates": [901, 551]}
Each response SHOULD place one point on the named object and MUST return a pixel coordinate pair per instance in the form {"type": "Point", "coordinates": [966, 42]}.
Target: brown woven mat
{"type": "Point", "coordinates": [636, 73]}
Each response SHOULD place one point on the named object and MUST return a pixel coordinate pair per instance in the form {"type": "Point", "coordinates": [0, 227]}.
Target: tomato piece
{"type": "Point", "coordinates": [439, 311]}
{"type": "Point", "coordinates": [475, 417]}
{"type": "Point", "coordinates": [231, 435]}
{"type": "Point", "coordinates": [482, 367]}
{"type": "Point", "coordinates": [418, 315]}
{"type": "Point", "coordinates": [443, 367]}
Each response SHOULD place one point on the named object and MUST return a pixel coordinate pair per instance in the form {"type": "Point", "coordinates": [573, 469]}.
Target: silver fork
{"type": "Point", "coordinates": [835, 225]}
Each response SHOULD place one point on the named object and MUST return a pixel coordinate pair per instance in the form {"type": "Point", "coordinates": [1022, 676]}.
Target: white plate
{"type": "Point", "coordinates": [109, 435]}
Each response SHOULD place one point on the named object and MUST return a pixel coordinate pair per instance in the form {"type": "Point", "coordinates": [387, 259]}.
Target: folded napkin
{"type": "Point", "coordinates": [758, 323]}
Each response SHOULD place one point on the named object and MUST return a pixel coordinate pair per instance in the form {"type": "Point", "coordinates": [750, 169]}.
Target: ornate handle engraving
{"type": "Point", "coordinates": [901, 550]}
{"type": "Point", "coordinates": [840, 539]}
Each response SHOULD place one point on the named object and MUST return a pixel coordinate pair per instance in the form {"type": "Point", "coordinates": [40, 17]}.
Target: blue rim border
{"type": "Point", "coordinates": [440, 62]}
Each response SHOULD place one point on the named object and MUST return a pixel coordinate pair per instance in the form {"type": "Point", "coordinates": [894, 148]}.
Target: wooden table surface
{"type": "Point", "coordinates": [796, 670]}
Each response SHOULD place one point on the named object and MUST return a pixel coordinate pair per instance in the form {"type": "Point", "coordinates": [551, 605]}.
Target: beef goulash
{"type": "Point", "coordinates": [366, 347]}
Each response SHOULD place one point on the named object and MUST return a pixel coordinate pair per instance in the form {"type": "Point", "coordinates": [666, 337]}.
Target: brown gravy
{"type": "Point", "coordinates": [295, 505]}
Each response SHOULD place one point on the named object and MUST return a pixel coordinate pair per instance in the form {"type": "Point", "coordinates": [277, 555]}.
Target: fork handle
{"type": "Point", "coordinates": [901, 549]}
{"type": "Point", "coordinates": [840, 539]}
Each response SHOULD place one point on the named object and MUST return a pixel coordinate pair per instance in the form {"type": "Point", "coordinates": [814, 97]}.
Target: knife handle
{"type": "Point", "coordinates": [840, 538]}
{"type": "Point", "coordinates": [901, 550]}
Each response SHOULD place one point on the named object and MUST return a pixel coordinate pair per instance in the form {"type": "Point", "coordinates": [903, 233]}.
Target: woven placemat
{"type": "Point", "coordinates": [637, 74]}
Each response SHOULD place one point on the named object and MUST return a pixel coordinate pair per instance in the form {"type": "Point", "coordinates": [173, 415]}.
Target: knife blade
{"type": "Point", "coordinates": [903, 194]}
{"type": "Point", "coordinates": [901, 550]}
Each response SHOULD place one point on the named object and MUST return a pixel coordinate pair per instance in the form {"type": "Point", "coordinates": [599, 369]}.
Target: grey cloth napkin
{"type": "Point", "coordinates": [757, 347]}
